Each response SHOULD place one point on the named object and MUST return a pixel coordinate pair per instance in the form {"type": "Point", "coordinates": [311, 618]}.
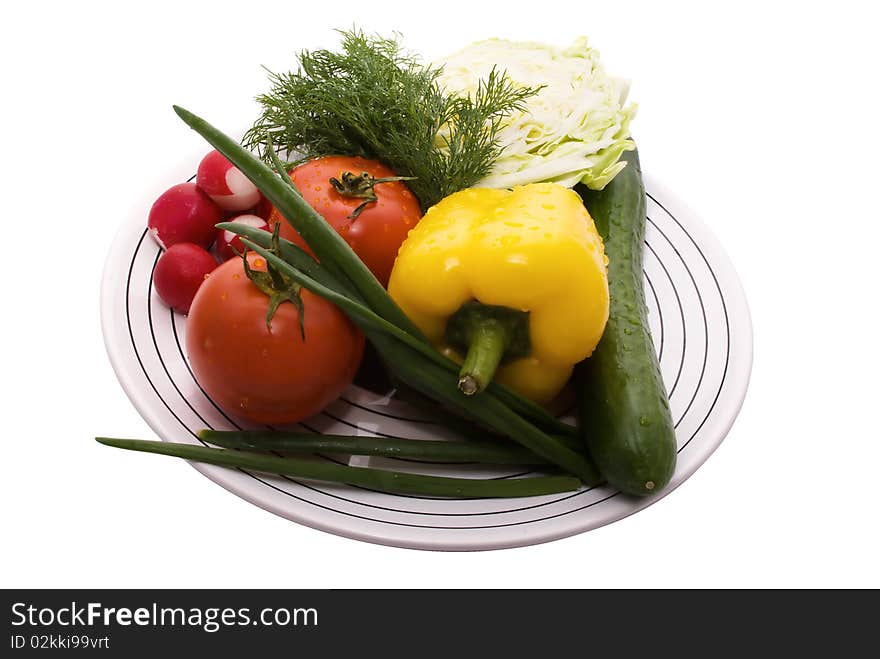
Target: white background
{"type": "Point", "coordinates": [763, 117]}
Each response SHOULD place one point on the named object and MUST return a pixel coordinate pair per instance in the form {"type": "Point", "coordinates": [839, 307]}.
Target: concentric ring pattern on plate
{"type": "Point", "coordinates": [702, 331]}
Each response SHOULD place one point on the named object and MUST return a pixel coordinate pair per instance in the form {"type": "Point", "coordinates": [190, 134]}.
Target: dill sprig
{"type": "Point", "coordinates": [375, 100]}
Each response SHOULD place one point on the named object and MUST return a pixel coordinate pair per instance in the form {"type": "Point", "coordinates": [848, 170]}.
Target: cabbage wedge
{"type": "Point", "coordinates": [572, 131]}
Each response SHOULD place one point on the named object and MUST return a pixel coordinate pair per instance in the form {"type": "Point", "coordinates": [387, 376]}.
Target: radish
{"type": "Point", "coordinates": [263, 208]}
{"type": "Point", "coordinates": [225, 184]}
{"type": "Point", "coordinates": [229, 244]}
{"type": "Point", "coordinates": [184, 214]}
{"type": "Point", "coordinates": [179, 272]}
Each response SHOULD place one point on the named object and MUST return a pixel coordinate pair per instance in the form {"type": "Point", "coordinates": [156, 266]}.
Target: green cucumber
{"type": "Point", "coordinates": [623, 407]}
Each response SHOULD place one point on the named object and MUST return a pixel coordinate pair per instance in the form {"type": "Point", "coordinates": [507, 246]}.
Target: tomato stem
{"type": "Point", "coordinates": [276, 285]}
{"type": "Point", "coordinates": [361, 186]}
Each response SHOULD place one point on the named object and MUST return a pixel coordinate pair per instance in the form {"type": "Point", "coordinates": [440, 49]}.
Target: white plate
{"type": "Point", "coordinates": [702, 331]}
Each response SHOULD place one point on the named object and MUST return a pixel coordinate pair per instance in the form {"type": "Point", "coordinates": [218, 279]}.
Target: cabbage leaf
{"type": "Point", "coordinates": [573, 130]}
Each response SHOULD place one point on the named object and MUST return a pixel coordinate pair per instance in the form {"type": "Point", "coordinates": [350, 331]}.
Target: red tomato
{"type": "Point", "coordinates": [381, 226]}
{"type": "Point", "coordinates": [268, 374]}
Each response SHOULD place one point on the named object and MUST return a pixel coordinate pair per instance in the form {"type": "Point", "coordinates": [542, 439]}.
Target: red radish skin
{"type": "Point", "coordinates": [263, 208]}
{"type": "Point", "coordinates": [179, 272]}
{"type": "Point", "coordinates": [184, 214]}
{"type": "Point", "coordinates": [228, 244]}
{"type": "Point", "coordinates": [225, 184]}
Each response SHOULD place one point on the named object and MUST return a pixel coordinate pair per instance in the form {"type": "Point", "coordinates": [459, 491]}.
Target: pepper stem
{"type": "Point", "coordinates": [488, 344]}
{"type": "Point", "coordinates": [488, 336]}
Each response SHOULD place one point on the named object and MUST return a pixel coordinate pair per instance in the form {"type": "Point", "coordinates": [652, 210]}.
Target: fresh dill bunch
{"type": "Point", "coordinates": [375, 100]}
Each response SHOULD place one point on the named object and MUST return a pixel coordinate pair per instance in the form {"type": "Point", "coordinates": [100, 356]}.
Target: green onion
{"type": "Point", "coordinates": [362, 314]}
{"type": "Point", "coordinates": [485, 452]}
{"type": "Point", "coordinates": [320, 284]}
{"type": "Point", "coordinates": [432, 380]}
{"type": "Point", "coordinates": [336, 256]}
{"type": "Point", "coordinates": [294, 258]}
{"type": "Point", "coordinates": [403, 347]}
{"type": "Point", "coordinates": [375, 479]}
{"type": "Point", "coordinates": [430, 375]}
{"type": "Point", "coordinates": [292, 254]}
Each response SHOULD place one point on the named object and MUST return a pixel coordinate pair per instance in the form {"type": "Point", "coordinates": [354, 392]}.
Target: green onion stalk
{"type": "Point", "coordinates": [393, 482]}
{"type": "Point", "coordinates": [340, 277]}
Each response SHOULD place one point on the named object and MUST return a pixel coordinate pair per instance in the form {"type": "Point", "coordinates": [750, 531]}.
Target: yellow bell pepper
{"type": "Point", "coordinates": [508, 279]}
